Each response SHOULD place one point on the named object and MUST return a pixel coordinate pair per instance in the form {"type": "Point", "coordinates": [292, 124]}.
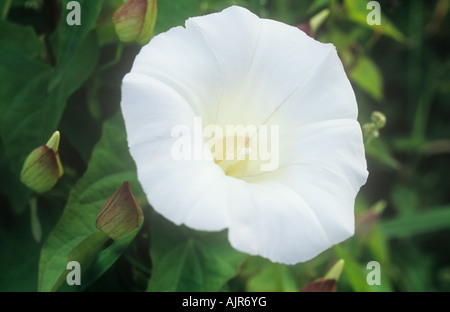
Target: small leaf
{"type": "Point", "coordinates": [367, 76]}
{"type": "Point", "coordinates": [437, 218]}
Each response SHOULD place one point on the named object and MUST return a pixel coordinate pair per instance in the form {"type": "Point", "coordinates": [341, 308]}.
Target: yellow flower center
{"type": "Point", "coordinates": [234, 153]}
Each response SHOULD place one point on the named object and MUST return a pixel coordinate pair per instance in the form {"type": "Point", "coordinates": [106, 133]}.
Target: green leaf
{"type": "Point", "coordinates": [186, 260]}
{"type": "Point", "coordinates": [317, 5]}
{"type": "Point", "coordinates": [107, 257]}
{"type": "Point", "coordinates": [437, 218]}
{"type": "Point", "coordinates": [84, 253]}
{"type": "Point", "coordinates": [405, 199]}
{"type": "Point", "coordinates": [268, 276]}
{"type": "Point", "coordinates": [10, 186]}
{"type": "Point", "coordinates": [22, 39]}
{"type": "Point", "coordinates": [108, 168]}
{"type": "Point", "coordinates": [378, 246]}
{"type": "Point", "coordinates": [173, 13]}
{"type": "Point", "coordinates": [367, 76]}
{"type": "Point", "coordinates": [22, 132]}
{"type": "Point", "coordinates": [19, 256]}
{"type": "Point", "coordinates": [28, 115]}
{"type": "Point", "coordinates": [16, 67]}
{"type": "Point", "coordinates": [19, 252]}
{"type": "Point", "coordinates": [71, 36]}
{"type": "Point", "coordinates": [93, 260]}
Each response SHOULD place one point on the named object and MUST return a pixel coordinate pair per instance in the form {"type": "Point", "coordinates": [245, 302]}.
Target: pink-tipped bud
{"type": "Point", "coordinates": [134, 20]}
{"type": "Point", "coordinates": [42, 167]}
{"type": "Point", "coordinates": [121, 214]}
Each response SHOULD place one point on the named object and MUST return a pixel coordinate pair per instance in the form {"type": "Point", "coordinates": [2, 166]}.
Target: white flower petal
{"type": "Point", "coordinates": [283, 61]}
{"type": "Point", "coordinates": [329, 197]}
{"type": "Point", "coordinates": [171, 188]}
{"type": "Point", "coordinates": [335, 145]}
{"type": "Point", "coordinates": [171, 58]}
{"type": "Point", "coordinates": [151, 109]}
{"type": "Point", "coordinates": [266, 55]}
{"type": "Point", "coordinates": [277, 224]}
{"type": "Point", "coordinates": [232, 68]}
{"type": "Point", "coordinates": [326, 94]}
{"type": "Point", "coordinates": [174, 193]}
{"type": "Point", "coordinates": [234, 31]}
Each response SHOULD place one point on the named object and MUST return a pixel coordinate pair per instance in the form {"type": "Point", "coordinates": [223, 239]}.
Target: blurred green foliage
{"type": "Point", "coordinates": [54, 76]}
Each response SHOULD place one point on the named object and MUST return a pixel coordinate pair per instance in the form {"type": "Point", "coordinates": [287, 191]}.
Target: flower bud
{"type": "Point", "coordinates": [306, 28]}
{"type": "Point", "coordinates": [43, 168]}
{"type": "Point", "coordinates": [312, 26]}
{"type": "Point", "coordinates": [366, 221]}
{"type": "Point", "coordinates": [321, 285]}
{"type": "Point", "coordinates": [121, 214]}
{"type": "Point", "coordinates": [370, 131]}
{"type": "Point", "coordinates": [328, 283]}
{"type": "Point", "coordinates": [378, 119]}
{"type": "Point", "coordinates": [335, 271]}
{"type": "Point", "coordinates": [134, 20]}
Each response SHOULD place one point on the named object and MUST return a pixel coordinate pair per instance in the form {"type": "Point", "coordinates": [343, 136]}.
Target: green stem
{"type": "Point", "coordinates": [116, 58]}
{"type": "Point", "coordinates": [36, 228]}
{"type": "Point", "coordinates": [6, 9]}
{"type": "Point", "coordinates": [424, 106]}
{"type": "Point", "coordinates": [278, 278]}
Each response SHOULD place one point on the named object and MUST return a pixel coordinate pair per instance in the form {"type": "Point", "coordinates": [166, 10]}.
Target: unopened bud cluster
{"type": "Point", "coordinates": [371, 129]}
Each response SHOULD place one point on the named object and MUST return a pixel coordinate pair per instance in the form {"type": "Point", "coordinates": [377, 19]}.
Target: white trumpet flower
{"type": "Point", "coordinates": [233, 68]}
